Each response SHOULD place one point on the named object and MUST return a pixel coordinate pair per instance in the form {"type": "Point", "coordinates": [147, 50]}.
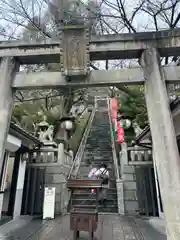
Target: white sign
{"type": "Point", "coordinates": [49, 203]}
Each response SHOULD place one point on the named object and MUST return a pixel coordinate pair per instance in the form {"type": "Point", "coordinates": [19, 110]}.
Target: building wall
{"type": "Point", "coordinates": [177, 124]}
{"type": "Point", "coordinates": [56, 174]}
{"type": "Point", "coordinates": [19, 188]}
{"type": "Point", "coordinates": [12, 145]}
{"type": "Point", "coordinates": [139, 190]}
{"type": "Point", "coordinates": [129, 184]}
{"type": "Point", "coordinates": [8, 184]}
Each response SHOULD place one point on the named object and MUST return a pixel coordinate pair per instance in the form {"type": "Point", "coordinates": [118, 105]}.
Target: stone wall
{"type": "Point", "coordinates": [130, 190]}
{"type": "Point", "coordinates": [128, 179]}
{"type": "Point", "coordinates": [56, 177]}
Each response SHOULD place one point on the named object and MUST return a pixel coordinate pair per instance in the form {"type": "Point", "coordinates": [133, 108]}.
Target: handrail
{"type": "Point", "coordinates": [113, 144]}
{"type": "Point", "coordinates": [80, 150]}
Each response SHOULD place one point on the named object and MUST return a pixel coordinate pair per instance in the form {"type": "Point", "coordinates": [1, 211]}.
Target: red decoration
{"type": "Point", "coordinates": [120, 133]}
{"type": "Point", "coordinates": [114, 104]}
{"type": "Point", "coordinates": [113, 109]}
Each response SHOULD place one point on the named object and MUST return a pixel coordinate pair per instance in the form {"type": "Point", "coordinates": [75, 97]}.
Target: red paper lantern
{"type": "Point", "coordinates": [113, 109]}
{"type": "Point", "coordinates": [114, 103]}
{"type": "Point", "coordinates": [120, 133]}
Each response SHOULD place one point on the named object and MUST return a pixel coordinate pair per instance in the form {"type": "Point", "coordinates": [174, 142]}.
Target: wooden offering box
{"type": "Point", "coordinates": [83, 219]}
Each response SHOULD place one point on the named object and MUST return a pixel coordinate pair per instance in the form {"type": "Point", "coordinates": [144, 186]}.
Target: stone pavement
{"type": "Point", "coordinates": [110, 227]}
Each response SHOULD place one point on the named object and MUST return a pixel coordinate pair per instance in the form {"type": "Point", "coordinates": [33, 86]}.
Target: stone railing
{"type": "Point", "coordinates": [44, 156]}
{"type": "Point", "coordinates": [116, 165]}
{"type": "Point", "coordinates": [119, 181]}
{"type": "Point", "coordinates": [139, 156]}
{"type": "Point", "coordinates": [68, 158]}
{"type": "Point", "coordinates": [48, 156]}
{"type": "Point", "coordinates": [77, 160]}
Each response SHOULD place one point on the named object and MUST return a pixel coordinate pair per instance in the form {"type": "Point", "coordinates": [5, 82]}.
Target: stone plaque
{"type": "Point", "coordinates": [75, 54]}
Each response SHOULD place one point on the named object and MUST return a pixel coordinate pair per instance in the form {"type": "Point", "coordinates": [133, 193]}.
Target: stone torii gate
{"type": "Point", "coordinates": [74, 55]}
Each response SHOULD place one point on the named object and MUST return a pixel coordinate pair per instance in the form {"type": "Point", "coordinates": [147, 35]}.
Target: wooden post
{"type": "Point", "coordinates": [164, 140]}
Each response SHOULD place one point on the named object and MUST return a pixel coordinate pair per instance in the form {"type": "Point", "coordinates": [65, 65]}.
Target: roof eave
{"type": "Point", "coordinates": [27, 139]}
{"type": "Point", "coordinates": [173, 105]}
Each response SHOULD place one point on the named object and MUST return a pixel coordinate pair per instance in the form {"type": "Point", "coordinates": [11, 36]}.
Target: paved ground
{"type": "Point", "coordinates": [110, 227]}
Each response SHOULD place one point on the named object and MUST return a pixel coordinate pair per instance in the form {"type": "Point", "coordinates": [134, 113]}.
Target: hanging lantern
{"type": "Point", "coordinates": [63, 129]}
{"type": "Point", "coordinates": [68, 125]}
{"type": "Point", "coordinates": [125, 123]}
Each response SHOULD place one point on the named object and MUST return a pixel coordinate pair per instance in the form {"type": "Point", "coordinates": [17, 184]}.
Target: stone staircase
{"type": "Point", "coordinates": [97, 150]}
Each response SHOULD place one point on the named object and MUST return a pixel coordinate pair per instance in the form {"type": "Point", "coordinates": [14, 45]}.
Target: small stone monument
{"type": "Point", "coordinates": [45, 131]}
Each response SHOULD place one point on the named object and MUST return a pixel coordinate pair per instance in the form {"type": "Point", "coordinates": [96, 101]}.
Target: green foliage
{"type": "Point", "coordinates": [133, 105]}
{"type": "Point", "coordinates": [29, 114]}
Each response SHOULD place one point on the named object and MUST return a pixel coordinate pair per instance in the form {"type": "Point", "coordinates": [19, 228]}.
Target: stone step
{"type": "Point", "coordinates": [105, 151]}
{"type": "Point", "coordinates": [89, 152]}
{"type": "Point", "coordinates": [100, 154]}
{"type": "Point", "coordinates": [92, 201]}
{"type": "Point", "coordinates": [99, 160]}
{"type": "Point", "coordinates": [97, 163]}
{"type": "Point", "coordinates": [99, 124]}
{"type": "Point", "coordinates": [103, 148]}
{"type": "Point", "coordinates": [86, 191]}
{"type": "Point", "coordinates": [86, 170]}
{"type": "Point", "coordinates": [108, 209]}
{"type": "Point", "coordinates": [86, 162]}
{"type": "Point", "coordinates": [111, 195]}
{"type": "Point", "coordinates": [95, 143]}
{"type": "Point", "coordinates": [99, 148]}
{"type": "Point", "coordinates": [101, 132]}
{"type": "Point", "coordinates": [93, 150]}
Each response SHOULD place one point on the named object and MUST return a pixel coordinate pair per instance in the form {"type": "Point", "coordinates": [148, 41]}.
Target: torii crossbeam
{"type": "Point", "coordinates": [106, 47]}
{"type": "Point", "coordinates": [101, 78]}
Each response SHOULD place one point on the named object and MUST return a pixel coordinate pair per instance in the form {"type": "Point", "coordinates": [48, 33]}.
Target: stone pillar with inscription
{"type": "Point", "coordinates": [74, 59]}
{"type": "Point", "coordinates": [164, 140]}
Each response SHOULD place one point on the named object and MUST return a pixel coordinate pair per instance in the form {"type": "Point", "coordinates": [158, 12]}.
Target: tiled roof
{"type": "Point", "coordinates": [173, 105]}
{"type": "Point", "coordinates": [20, 132]}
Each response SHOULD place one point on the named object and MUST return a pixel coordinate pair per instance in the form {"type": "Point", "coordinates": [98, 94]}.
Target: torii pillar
{"type": "Point", "coordinates": [164, 140]}
{"type": "Point", "coordinates": [8, 69]}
